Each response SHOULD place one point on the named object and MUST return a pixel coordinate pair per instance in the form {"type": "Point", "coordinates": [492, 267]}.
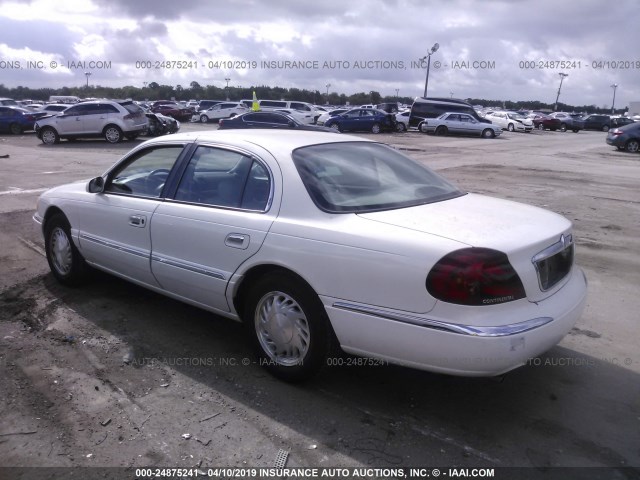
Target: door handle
{"type": "Point", "coordinates": [237, 240]}
{"type": "Point", "coordinates": [138, 221]}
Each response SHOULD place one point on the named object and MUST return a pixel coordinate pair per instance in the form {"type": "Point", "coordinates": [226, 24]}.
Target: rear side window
{"type": "Point", "coordinates": [131, 108]}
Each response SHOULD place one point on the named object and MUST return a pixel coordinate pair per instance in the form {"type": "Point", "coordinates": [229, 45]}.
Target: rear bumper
{"type": "Point", "coordinates": [447, 347]}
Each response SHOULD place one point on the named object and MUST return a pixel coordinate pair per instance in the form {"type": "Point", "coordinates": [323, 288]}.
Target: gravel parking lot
{"type": "Point", "coordinates": [113, 375]}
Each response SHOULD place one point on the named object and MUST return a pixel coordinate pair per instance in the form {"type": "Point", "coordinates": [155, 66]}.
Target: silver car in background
{"type": "Point", "coordinates": [459, 123]}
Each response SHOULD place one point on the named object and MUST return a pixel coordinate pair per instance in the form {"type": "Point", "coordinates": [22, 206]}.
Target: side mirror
{"type": "Point", "coordinates": [96, 185]}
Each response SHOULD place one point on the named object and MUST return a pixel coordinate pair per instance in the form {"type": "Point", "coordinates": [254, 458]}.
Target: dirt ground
{"type": "Point", "coordinates": [112, 375]}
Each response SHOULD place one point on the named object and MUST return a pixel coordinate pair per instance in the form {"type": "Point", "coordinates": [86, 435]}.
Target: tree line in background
{"type": "Point", "coordinates": [154, 91]}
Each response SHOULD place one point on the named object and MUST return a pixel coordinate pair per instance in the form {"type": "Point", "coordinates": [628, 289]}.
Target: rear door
{"type": "Point", "coordinates": [219, 217]}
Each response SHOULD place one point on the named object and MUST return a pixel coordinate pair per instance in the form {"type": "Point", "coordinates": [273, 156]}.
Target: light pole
{"type": "Point", "coordinates": [613, 104]}
{"type": "Point", "coordinates": [328, 85]}
{"type": "Point", "coordinates": [562, 75]}
{"type": "Point", "coordinates": [87, 74]}
{"type": "Point", "coordinates": [433, 50]}
{"type": "Point", "coordinates": [397, 90]}
{"type": "Point", "coordinates": [451, 93]}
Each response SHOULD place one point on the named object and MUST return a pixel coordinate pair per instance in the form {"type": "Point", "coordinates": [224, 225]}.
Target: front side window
{"type": "Point", "coordinates": [354, 177]}
{"type": "Point", "coordinates": [145, 173]}
{"type": "Point", "coordinates": [225, 178]}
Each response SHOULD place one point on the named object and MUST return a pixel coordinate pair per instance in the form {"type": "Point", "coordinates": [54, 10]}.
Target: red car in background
{"type": "Point", "coordinates": [172, 109]}
{"type": "Point", "coordinates": [545, 122]}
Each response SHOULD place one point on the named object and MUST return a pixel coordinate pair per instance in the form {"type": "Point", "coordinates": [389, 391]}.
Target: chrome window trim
{"type": "Point", "coordinates": [116, 246]}
{"type": "Point", "coordinates": [471, 330]}
{"type": "Point", "coordinates": [188, 266]}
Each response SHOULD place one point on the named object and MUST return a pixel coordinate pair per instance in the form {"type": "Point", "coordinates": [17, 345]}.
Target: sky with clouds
{"type": "Point", "coordinates": [492, 49]}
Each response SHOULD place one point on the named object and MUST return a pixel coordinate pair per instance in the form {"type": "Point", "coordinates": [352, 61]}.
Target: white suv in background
{"type": "Point", "coordinates": [97, 118]}
{"type": "Point", "coordinates": [513, 122]}
{"type": "Point", "coordinates": [222, 110]}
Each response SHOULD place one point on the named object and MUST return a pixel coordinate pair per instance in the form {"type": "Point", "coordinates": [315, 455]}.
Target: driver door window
{"type": "Point", "coordinates": [145, 173]}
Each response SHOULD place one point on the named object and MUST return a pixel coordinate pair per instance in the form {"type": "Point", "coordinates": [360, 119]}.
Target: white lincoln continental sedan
{"type": "Point", "coordinates": [316, 240]}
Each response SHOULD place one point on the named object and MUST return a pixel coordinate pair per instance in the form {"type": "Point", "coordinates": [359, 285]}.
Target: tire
{"type": "Point", "coordinates": [336, 126]}
{"type": "Point", "coordinates": [204, 119]}
{"type": "Point", "coordinates": [563, 127]}
{"type": "Point", "coordinates": [605, 128]}
{"type": "Point", "coordinates": [540, 127]}
{"type": "Point", "coordinates": [15, 129]}
{"type": "Point", "coordinates": [421, 128]}
{"type": "Point", "coordinates": [442, 130]}
{"type": "Point", "coordinates": [488, 133]}
{"type": "Point", "coordinates": [112, 134]}
{"type": "Point", "coordinates": [510, 127]}
{"type": "Point", "coordinates": [289, 327]}
{"type": "Point", "coordinates": [400, 127]}
{"type": "Point", "coordinates": [375, 128]}
{"type": "Point", "coordinates": [65, 261]}
{"type": "Point", "coordinates": [576, 130]}
{"type": "Point", "coordinates": [632, 146]}
{"type": "Point", "coordinates": [49, 136]}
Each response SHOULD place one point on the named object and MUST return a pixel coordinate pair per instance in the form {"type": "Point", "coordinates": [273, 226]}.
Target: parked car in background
{"type": "Point", "coordinates": [304, 117]}
{"type": "Point", "coordinates": [390, 107]}
{"type": "Point", "coordinates": [221, 110]}
{"type": "Point", "coordinates": [332, 113]}
{"type": "Point", "coordinates": [291, 233]}
{"type": "Point", "coordinates": [402, 121]}
{"type": "Point", "coordinates": [513, 122]}
{"type": "Point", "coordinates": [362, 120]}
{"type": "Point", "coordinates": [17, 120]}
{"type": "Point", "coordinates": [604, 122]}
{"type": "Point", "coordinates": [113, 120]}
{"type": "Point", "coordinates": [568, 122]}
{"type": "Point", "coordinates": [425, 108]}
{"type": "Point", "coordinates": [461, 124]}
{"type": "Point", "coordinates": [173, 110]}
{"type": "Point", "coordinates": [267, 119]}
{"type": "Point", "coordinates": [207, 104]}
{"type": "Point", "coordinates": [626, 137]}
{"type": "Point", "coordinates": [545, 122]}
{"type": "Point", "coordinates": [54, 108]}
{"type": "Point", "coordinates": [9, 102]}
{"type": "Point", "coordinates": [160, 124]}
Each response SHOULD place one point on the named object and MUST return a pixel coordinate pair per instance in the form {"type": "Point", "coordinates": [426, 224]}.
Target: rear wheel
{"type": "Point", "coordinates": [632, 146]}
{"type": "Point", "coordinates": [15, 129]}
{"type": "Point", "coordinates": [289, 327]}
{"type": "Point", "coordinates": [510, 127]}
{"type": "Point", "coordinates": [442, 130]}
{"type": "Point", "coordinates": [375, 128]}
{"type": "Point", "coordinates": [540, 127]}
{"type": "Point", "coordinates": [65, 261]}
{"type": "Point", "coordinates": [488, 133]}
{"type": "Point", "coordinates": [112, 134]}
{"type": "Point", "coordinates": [401, 127]}
{"type": "Point", "coordinates": [49, 136]}
{"type": "Point", "coordinates": [605, 128]}
{"type": "Point", "coordinates": [563, 127]}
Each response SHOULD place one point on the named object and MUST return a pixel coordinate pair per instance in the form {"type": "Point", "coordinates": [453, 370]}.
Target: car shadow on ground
{"type": "Point", "coordinates": [379, 415]}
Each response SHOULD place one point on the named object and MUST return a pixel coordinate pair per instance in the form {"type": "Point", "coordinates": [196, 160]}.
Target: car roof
{"type": "Point", "coordinates": [269, 139]}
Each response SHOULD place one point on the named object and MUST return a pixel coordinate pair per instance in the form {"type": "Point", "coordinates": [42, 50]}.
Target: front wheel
{"type": "Point", "coordinates": [336, 127]}
{"type": "Point", "coordinates": [632, 146]}
{"type": "Point", "coordinates": [375, 128]}
{"type": "Point", "coordinates": [442, 130]}
{"type": "Point", "coordinates": [15, 129]}
{"type": "Point", "coordinates": [488, 133]}
{"type": "Point", "coordinates": [49, 136]}
{"type": "Point", "coordinates": [204, 119]}
{"type": "Point", "coordinates": [65, 261]}
{"type": "Point", "coordinates": [112, 134]}
{"type": "Point", "coordinates": [510, 127]}
{"type": "Point", "coordinates": [563, 127]}
{"type": "Point", "coordinates": [289, 327]}
{"type": "Point", "coordinates": [401, 127]}
{"type": "Point", "coordinates": [605, 128]}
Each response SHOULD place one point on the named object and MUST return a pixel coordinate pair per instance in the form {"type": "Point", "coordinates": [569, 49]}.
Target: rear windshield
{"type": "Point", "coordinates": [354, 177]}
{"type": "Point", "coordinates": [132, 107]}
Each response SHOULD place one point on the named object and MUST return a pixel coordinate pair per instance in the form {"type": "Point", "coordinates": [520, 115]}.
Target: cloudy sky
{"type": "Point", "coordinates": [493, 49]}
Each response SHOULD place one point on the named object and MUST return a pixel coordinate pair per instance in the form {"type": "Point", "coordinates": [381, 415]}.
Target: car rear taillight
{"type": "Point", "coordinates": [474, 276]}
{"type": "Point", "coordinates": [615, 133]}
{"type": "Point", "coordinates": [129, 116]}
{"type": "Point", "coordinates": [30, 118]}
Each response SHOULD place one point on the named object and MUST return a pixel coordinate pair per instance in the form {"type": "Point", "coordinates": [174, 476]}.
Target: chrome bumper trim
{"type": "Point", "coordinates": [472, 330]}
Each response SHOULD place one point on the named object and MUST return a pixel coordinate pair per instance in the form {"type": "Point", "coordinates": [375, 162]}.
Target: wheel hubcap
{"type": "Point", "coordinates": [282, 328]}
{"type": "Point", "coordinates": [48, 137]}
{"type": "Point", "coordinates": [61, 254]}
{"type": "Point", "coordinates": [113, 135]}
